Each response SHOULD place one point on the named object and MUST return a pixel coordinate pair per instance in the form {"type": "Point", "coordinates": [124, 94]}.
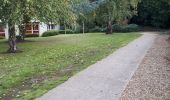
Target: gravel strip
{"type": "Point", "coordinates": [151, 81]}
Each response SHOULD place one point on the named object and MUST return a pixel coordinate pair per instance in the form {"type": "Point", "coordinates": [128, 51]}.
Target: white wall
{"type": "Point", "coordinates": [6, 32]}
{"type": "Point", "coordinates": [16, 30]}
{"type": "Point", "coordinates": [42, 28]}
{"type": "Point", "coordinates": [57, 27]}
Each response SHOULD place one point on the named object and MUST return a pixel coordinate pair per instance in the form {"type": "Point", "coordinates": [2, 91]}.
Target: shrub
{"type": "Point", "coordinates": [131, 28]}
{"type": "Point", "coordinates": [50, 33]}
{"type": "Point", "coordinates": [2, 37]}
{"type": "Point", "coordinates": [97, 29]}
{"type": "Point", "coordinates": [125, 28]}
{"type": "Point", "coordinates": [117, 27]}
{"type": "Point", "coordinates": [31, 35]}
{"type": "Point", "coordinates": [19, 37]}
{"type": "Point", "coordinates": [68, 31]}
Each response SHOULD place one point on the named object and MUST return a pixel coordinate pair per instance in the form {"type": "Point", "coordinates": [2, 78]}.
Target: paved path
{"type": "Point", "coordinates": [106, 79]}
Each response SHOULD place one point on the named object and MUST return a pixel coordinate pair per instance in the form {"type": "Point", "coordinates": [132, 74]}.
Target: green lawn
{"type": "Point", "coordinates": [47, 62]}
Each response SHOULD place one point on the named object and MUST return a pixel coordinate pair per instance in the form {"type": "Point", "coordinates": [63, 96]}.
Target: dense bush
{"type": "Point", "coordinates": [131, 28]}
{"type": "Point", "coordinates": [125, 28]}
{"type": "Point", "coordinates": [2, 37]}
{"type": "Point", "coordinates": [68, 31]}
{"type": "Point", "coordinates": [57, 32]}
{"type": "Point", "coordinates": [32, 35]}
{"type": "Point", "coordinates": [21, 37]}
{"type": "Point", "coordinates": [153, 13]}
{"type": "Point", "coordinates": [50, 33]}
{"type": "Point", "coordinates": [97, 29]}
{"type": "Point", "coordinates": [117, 28]}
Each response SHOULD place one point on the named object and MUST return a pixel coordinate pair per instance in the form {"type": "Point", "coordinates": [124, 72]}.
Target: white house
{"type": "Point", "coordinates": [34, 27]}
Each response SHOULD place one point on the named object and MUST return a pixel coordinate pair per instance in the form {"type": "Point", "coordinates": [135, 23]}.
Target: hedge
{"type": "Point", "coordinates": [50, 33]}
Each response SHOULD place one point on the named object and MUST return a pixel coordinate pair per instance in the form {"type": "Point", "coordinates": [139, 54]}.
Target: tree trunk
{"type": "Point", "coordinates": [109, 28]}
{"type": "Point", "coordinates": [12, 39]}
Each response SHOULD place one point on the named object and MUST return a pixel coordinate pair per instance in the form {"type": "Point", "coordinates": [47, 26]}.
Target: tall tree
{"type": "Point", "coordinates": [85, 10]}
{"type": "Point", "coordinates": [17, 12]}
{"type": "Point", "coordinates": [153, 13]}
{"type": "Point", "coordinates": [116, 11]}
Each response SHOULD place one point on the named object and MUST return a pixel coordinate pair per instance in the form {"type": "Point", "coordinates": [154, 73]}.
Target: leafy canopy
{"type": "Point", "coordinates": [44, 10]}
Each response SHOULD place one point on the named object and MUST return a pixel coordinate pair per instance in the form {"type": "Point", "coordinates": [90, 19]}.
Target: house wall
{"type": "Point", "coordinates": [45, 27]}
{"type": "Point", "coordinates": [57, 27]}
{"type": "Point", "coordinates": [16, 30]}
{"type": "Point", "coordinates": [6, 32]}
{"type": "Point", "coordinates": [42, 28]}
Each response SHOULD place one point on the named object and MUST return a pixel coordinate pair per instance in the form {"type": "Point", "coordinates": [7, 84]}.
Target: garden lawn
{"type": "Point", "coordinates": [48, 62]}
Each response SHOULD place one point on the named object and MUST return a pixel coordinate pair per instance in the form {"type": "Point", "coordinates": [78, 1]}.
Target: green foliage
{"type": "Point", "coordinates": [97, 29]}
{"type": "Point", "coordinates": [50, 33]}
{"type": "Point", "coordinates": [67, 31]}
{"type": "Point", "coordinates": [117, 10]}
{"type": "Point", "coordinates": [153, 13]}
{"type": "Point", "coordinates": [32, 35]}
{"type": "Point", "coordinates": [130, 28]}
{"type": "Point", "coordinates": [117, 27]}
{"type": "Point", "coordinates": [2, 37]}
{"type": "Point", "coordinates": [20, 37]}
{"type": "Point", "coordinates": [57, 32]}
{"type": "Point", "coordinates": [125, 28]}
{"type": "Point", "coordinates": [44, 10]}
{"type": "Point", "coordinates": [52, 60]}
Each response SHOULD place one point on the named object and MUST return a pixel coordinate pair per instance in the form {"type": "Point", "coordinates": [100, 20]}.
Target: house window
{"type": "Point", "coordinates": [35, 28]}
{"type": "Point", "coordinates": [50, 26]}
{"type": "Point", "coordinates": [32, 28]}
{"type": "Point", "coordinates": [28, 28]}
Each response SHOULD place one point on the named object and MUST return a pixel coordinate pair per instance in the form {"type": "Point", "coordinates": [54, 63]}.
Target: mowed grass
{"type": "Point", "coordinates": [48, 62]}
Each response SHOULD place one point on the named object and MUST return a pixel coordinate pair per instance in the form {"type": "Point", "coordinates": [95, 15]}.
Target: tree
{"type": "Point", "coordinates": [19, 12]}
{"type": "Point", "coordinates": [85, 10]}
{"type": "Point", "coordinates": [116, 11]}
{"type": "Point", "coordinates": [153, 13]}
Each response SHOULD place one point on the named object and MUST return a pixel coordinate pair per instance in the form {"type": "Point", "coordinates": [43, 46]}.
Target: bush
{"type": "Point", "coordinates": [125, 28]}
{"type": "Point", "coordinates": [2, 37]}
{"type": "Point", "coordinates": [50, 33]}
{"type": "Point", "coordinates": [117, 27]}
{"type": "Point", "coordinates": [68, 31]}
{"type": "Point", "coordinates": [97, 29]}
{"type": "Point", "coordinates": [131, 28]}
{"type": "Point", "coordinates": [31, 35]}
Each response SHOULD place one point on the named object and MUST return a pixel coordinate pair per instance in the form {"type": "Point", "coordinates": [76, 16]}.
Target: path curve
{"type": "Point", "coordinates": [106, 79]}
